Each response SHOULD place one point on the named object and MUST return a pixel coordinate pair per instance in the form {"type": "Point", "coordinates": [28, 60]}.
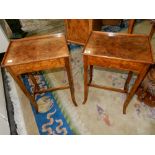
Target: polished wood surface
{"type": "Point", "coordinates": [138, 81]}
{"type": "Point", "coordinates": [115, 63]}
{"type": "Point", "coordinates": [118, 51]}
{"type": "Point", "coordinates": [152, 29]}
{"type": "Point", "coordinates": [145, 92]}
{"type": "Point", "coordinates": [131, 25]}
{"type": "Point", "coordinates": [38, 53]}
{"type": "Point", "coordinates": [126, 86]}
{"type": "Point", "coordinates": [70, 79]}
{"type": "Point", "coordinates": [33, 49]}
{"type": "Point", "coordinates": [51, 89]}
{"type": "Point", "coordinates": [119, 46]}
{"type": "Point", "coordinates": [78, 30]}
{"type": "Point", "coordinates": [39, 65]}
{"type": "Point", "coordinates": [107, 88]}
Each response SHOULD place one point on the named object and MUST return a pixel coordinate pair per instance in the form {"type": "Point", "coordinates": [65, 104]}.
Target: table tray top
{"type": "Point", "coordinates": [130, 47]}
{"type": "Point", "coordinates": [35, 49]}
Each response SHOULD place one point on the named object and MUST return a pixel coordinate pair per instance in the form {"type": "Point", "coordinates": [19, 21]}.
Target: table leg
{"type": "Point", "coordinates": [139, 79]}
{"type": "Point", "coordinates": [126, 86]}
{"type": "Point", "coordinates": [22, 86]}
{"type": "Point", "coordinates": [131, 25]}
{"type": "Point", "coordinates": [91, 74]}
{"type": "Point", "coordinates": [85, 62]}
{"type": "Point", "coordinates": [36, 87]}
{"type": "Point", "coordinates": [152, 31]}
{"type": "Point", "coordinates": [70, 79]}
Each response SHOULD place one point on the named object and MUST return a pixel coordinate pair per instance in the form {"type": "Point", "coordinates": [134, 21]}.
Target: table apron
{"type": "Point", "coordinates": [38, 66]}
{"type": "Point", "coordinates": [116, 64]}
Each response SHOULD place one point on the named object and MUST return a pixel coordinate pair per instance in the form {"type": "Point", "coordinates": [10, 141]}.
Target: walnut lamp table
{"type": "Point", "coordinates": [37, 53]}
{"type": "Point", "coordinates": [130, 52]}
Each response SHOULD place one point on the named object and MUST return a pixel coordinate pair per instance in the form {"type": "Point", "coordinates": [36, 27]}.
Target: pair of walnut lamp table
{"type": "Point", "coordinates": [111, 50]}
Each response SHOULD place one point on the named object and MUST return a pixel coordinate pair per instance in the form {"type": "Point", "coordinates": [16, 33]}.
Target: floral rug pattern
{"type": "Point", "coordinates": [50, 120]}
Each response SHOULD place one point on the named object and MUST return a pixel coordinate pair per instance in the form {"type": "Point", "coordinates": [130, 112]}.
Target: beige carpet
{"type": "Point", "coordinates": [42, 26]}
{"type": "Point", "coordinates": [102, 113]}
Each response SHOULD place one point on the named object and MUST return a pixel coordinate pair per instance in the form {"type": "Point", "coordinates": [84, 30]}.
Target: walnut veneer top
{"type": "Point", "coordinates": [34, 49]}
{"type": "Point", "coordinates": [130, 47]}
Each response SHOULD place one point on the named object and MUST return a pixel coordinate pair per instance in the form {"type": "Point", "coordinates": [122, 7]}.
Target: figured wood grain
{"type": "Point", "coordinates": [78, 30]}
{"type": "Point", "coordinates": [115, 63]}
{"type": "Point", "coordinates": [120, 51]}
{"type": "Point", "coordinates": [38, 53]}
{"type": "Point", "coordinates": [34, 49]}
{"type": "Point", "coordinates": [38, 66]}
{"type": "Point", "coordinates": [121, 46]}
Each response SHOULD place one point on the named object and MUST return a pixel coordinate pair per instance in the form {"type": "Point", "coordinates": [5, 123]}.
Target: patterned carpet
{"type": "Point", "coordinates": [50, 120]}
{"type": "Point", "coordinates": [102, 113]}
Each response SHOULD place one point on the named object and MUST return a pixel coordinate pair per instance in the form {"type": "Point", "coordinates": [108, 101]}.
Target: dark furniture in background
{"type": "Point", "coordinates": [16, 28]}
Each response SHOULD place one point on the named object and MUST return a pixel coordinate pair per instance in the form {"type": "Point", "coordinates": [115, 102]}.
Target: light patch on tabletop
{"type": "Point", "coordinates": [110, 34]}
{"type": "Point", "coordinates": [87, 51]}
{"type": "Point", "coordinates": [9, 61]}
